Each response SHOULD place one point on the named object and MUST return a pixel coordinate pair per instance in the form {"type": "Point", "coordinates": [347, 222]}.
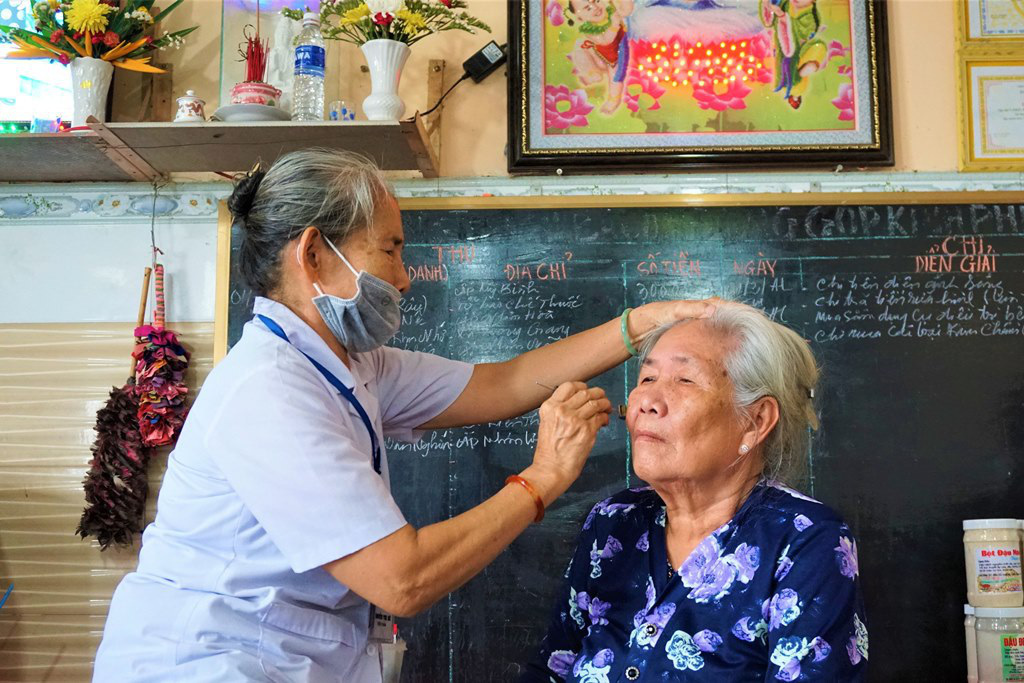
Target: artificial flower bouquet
{"type": "Point", "coordinates": [102, 29]}
{"type": "Point", "coordinates": [407, 21]}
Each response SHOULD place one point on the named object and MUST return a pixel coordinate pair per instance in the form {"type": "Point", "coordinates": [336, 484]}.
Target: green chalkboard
{"type": "Point", "coordinates": [915, 309]}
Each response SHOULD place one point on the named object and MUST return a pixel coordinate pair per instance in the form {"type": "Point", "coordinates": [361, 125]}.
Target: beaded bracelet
{"type": "Point", "coordinates": [516, 479]}
{"type": "Point", "coordinates": [625, 333]}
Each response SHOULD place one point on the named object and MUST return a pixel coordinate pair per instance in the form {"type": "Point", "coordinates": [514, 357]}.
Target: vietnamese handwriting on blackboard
{"type": "Point", "coordinates": [555, 269]}
{"type": "Point", "coordinates": [887, 221]}
{"type": "Point", "coordinates": [906, 306]}
{"type": "Point", "coordinates": [951, 287]}
{"type": "Point", "coordinates": [519, 431]}
{"type": "Point", "coordinates": [243, 297]}
{"type": "Point", "coordinates": [679, 264]}
{"type": "Point", "coordinates": [513, 316]}
{"type": "Point", "coordinates": [442, 257]}
{"type": "Point", "coordinates": [963, 254]}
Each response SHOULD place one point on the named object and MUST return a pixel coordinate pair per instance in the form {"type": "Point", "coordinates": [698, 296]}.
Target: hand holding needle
{"type": "Point", "coordinates": [621, 412]}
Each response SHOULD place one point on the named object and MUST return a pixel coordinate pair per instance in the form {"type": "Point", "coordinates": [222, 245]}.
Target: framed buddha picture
{"type": "Point", "coordinates": [689, 84]}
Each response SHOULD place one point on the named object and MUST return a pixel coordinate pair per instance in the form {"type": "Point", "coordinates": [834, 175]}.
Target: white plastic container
{"type": "Point", "coordinates": [992, 558]}
{"type": "Point", "coordinates": [1000, 636]}
{"type": "Point", "coordinates": [972, 644]}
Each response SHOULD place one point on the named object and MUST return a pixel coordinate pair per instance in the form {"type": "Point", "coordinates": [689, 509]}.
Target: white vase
{"type": "Point", "coordinates": [90, 81]}
{"type": "Point", "coordinates": [385, 59]}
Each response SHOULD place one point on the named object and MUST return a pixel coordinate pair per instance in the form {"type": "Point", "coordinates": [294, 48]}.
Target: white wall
{"type": "Point", "coordinates": [76, 253]}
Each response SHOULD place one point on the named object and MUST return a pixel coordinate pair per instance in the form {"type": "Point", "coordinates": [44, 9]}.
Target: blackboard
{"type": "Point", "coordinates": [915, 309]}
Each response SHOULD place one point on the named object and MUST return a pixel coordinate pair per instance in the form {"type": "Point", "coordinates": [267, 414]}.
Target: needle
{"type": "Point", "coordinates": [622, 406]}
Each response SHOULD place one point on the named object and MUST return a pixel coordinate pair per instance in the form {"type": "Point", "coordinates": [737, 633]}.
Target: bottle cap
{"type": "Point", "coordinates": [1000, 523]}
{"type": "Point", "coordinates": [968, 609]}
{"type": "Point", "coordinates": [310, 18]}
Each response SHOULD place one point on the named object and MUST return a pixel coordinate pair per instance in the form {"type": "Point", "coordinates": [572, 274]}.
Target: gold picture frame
{"type": "Point", "coordinates": [979, 80]}
{"type": "Point", "coordinates": [989, 64]}
{"type": "Point", "coordinates": [973, 15]}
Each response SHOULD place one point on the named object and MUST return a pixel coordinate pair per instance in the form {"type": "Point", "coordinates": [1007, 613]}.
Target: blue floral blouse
{"type": "Point", "coordinates": [771, 595]}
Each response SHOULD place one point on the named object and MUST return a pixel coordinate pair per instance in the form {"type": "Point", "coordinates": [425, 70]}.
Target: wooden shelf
{"type": "Point", "coordinates": [150, 151]}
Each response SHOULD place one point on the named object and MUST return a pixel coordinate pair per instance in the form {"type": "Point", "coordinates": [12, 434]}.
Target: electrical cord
{"type": "Point", "coordinates": [477, 67]}
{"type": "Point", "coordinates": [465, 75]}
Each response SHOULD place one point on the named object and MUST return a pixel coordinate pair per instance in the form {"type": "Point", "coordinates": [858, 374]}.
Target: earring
{"type": "Point", "coordinates": [744, 449]}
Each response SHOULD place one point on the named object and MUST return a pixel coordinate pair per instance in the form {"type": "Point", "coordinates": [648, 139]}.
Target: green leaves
{"type": "Point", "coordinates": [419, 19]}
{"type": "Point", "coordinates": [167, 11]}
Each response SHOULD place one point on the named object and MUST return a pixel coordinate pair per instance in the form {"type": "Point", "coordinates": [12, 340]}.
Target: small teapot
{"type": "Point", "coordinates": [190, 108]}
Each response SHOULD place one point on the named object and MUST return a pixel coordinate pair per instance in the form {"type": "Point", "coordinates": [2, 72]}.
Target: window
{"type": "Point", "coordinates": [30, 88]}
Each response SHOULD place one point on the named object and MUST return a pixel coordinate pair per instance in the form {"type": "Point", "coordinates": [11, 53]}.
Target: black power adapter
{"type": "Point", "coordinates": [486, 60]}
{"type": "Point", "coordinates": [478, 67]}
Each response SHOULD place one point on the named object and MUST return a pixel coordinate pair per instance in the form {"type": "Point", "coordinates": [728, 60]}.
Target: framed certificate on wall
{"type": "Point", "coordinates": [990, 21]}
{"type": "Point", "coordinates": [992, 107]}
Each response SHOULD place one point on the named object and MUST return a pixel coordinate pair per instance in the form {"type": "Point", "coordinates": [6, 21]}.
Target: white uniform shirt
{"type": "Point", "coordinates": [272, 477]}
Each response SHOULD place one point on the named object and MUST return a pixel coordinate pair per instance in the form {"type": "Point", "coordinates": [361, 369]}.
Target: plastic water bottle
{"type": "Point", "coordinates": [308, 98]}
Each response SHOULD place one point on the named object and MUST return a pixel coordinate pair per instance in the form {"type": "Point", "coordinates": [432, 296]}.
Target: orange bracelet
{"type": "Point", "coordinates": [516, 479]}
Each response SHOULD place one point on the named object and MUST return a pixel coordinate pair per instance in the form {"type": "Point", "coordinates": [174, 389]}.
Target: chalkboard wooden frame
{"type": "Point", "coordinates": [524, 157]}
{"type": "Point", "coordinates": [223, 268]}
{"type": "Point", "coordinates": [223, 285]}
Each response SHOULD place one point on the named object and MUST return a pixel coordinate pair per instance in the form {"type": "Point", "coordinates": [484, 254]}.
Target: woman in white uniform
{"type": "Point", "coordinates": [276, 532]}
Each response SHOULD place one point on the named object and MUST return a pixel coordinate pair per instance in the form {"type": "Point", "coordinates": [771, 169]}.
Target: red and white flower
{"type": "Point", "coordinates": [729, 94]}
{"type": "Point", "coordinates": [639, 84]}
{"type": "Point", "coordinates": [555, 13]}
{"type": "Point", "coordinates": [844, 102]}
{"type": "Point", "coordinates": [564, 108]}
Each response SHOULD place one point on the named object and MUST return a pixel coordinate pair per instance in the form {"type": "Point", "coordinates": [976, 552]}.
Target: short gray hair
{"type": "Point", "coordinates": [768, 359]}
{"type": "Point", "coordinates": [336, 191]}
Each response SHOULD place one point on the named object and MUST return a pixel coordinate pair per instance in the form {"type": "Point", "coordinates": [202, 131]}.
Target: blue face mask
{"type": "Point", "coordinates": [367, 320]}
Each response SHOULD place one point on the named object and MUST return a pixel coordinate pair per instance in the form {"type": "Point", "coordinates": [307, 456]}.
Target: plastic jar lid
{"type": "Point", "coordinates": [991, 524]}
{"type": "Point", "coordinates": [968, 609]}
{"type": "Point", "coordinates": [999, 612]}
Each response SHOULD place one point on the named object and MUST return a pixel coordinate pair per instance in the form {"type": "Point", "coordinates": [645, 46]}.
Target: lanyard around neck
{"type": "Point", "coordinates": [345, 392]}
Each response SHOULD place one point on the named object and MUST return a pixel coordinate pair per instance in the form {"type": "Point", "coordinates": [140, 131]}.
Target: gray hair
{"type": "Point", "coordinates": [768, 359]}
{"type": "Point", "coordinates": [336, 191]}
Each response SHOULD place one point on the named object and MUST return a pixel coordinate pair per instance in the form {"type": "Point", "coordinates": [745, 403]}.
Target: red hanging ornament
{"type": "Point", "coordinates": [160, 367]}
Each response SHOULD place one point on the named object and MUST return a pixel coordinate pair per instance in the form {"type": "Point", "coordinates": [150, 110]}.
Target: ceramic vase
{"type": "Point", "coordinates": [385, 59]}
{"type": "Point", "coordinates": [90, 81]}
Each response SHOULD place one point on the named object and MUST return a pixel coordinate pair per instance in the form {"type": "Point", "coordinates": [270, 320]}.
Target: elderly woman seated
{"type": "Point", "coordinates": [716, 571]}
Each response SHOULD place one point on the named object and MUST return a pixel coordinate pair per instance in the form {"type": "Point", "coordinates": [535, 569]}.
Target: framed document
{"type": "Point", "coordinates": [992, 107]}
{"type": "Point", "coordinates": [990, 22]}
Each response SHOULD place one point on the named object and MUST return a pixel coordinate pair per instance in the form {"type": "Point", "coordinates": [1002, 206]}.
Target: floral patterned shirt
{"type": "Point", "coordinates": [771, 595]}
